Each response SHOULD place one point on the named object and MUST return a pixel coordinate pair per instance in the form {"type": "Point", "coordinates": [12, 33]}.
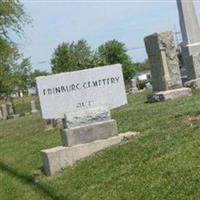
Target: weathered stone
{"type": "Point", "coordinates": [86, 116]}
{"type": "Point", "coordinates": [56, 159]}
{"type": "Point", "coordinates": [10, 108]}
{"type": "Point", "coordinates": [195, 83]}
{"type": "Point", "coordinates": [149, 88]}
{"type": "Point", "coordinates": [194, 63]}
{"type": "Point", "coordinates": [134, 88]}
{"type": "Point", "coordinates": [4, 111]}
{"type": "Point", "coordinates": [164, 62]}
{"type": "Point", "coordinates": [1, 116]}
{"type": "Point", "coordinates": [169, 95]}
{"type": "Point", "coordinates": [189, 25]}
{"type": "Point", "coordinates": [89, 133]}
{"type": "Point", "coordinates": [33, 107]}
{"type": "Point", "coordinates": [191, 38]}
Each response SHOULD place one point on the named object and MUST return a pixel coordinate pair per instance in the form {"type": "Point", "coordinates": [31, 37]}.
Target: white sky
{"type": "Point", "coordinates": [56, 21]}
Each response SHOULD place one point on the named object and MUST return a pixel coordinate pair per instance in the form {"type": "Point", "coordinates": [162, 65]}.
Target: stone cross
{"type": "Point", "coordinates": [191, 38]}
{"type": "Point", "coordinates": [164, 62]}
{"type": "Point", "coordinates": [33, 107]}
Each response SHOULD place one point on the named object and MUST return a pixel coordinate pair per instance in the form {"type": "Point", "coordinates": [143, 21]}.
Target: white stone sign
{"type": "Point", "coordinates": [72, 91]}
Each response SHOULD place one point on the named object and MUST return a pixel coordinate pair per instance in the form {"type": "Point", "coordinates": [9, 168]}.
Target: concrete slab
{"type": "Point", "coordinates": [89, 133]}
{"type": "Point", "coordinates": [169, 95]}
{"type": "Point", "coordinates": [56, 159]}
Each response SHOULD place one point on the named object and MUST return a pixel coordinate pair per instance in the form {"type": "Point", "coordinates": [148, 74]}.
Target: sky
{"type": "Point", "coordinates": [129, 21]}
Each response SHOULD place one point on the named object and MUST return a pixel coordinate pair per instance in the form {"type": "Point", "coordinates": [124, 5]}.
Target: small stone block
{"type": "Point", "coordinates": [87, 116]}
{"type": "Point", "coordinates": [170, 94]}
{"type": "Point", "coordinates": [56, 159]}
{"type": "Point", "coordinates": [89, 133]}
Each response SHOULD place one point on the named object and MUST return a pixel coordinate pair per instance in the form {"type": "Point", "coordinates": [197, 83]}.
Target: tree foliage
{"type": "Point", "coordinates": [8, 56]}
{"type": "Point", "coordinates": [35, 74]}
{"type": "Point", "coordinates": [113, 52]}
{"type": "Point", "coordinates": [12, 19]}
{"type": "Point", "coordinates": [142, 66]}
{"type": "Point", "coordinates": [72, 57]}
{"type": "Point", "coordinates": [22, 74]}
{"type": "Point", "coordinates": [77, 56]}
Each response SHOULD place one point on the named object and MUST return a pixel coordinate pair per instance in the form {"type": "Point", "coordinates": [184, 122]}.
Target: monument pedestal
{"type": "Point", "coordinates": [58, 158]}
{"type": "Point", "coordinates": [84, 133]}
{"type": "Point", "coordinates": [89, 133]}
{"type": "Point", "coordinates": [169, 95]}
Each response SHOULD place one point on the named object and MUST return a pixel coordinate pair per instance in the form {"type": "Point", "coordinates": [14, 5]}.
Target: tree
{"type": "Point", "coordinates": [35, 74]}
{"type": "Point", "coordinates": [72, 57]}
{"type": "Point", "coordinates": [12, 19]}
{"type": "Point", "coordinates": [22, 74]}
{"type": "Point", "coordinates": [113, 52]}
{"type": "Point", "coordinates": [8, 56]}
{"type": "Point", "coordinates": [142, 66]}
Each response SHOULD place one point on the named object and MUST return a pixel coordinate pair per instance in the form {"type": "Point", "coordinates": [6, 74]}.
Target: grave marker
{"type": "Point", "coordinates": [165, 71]}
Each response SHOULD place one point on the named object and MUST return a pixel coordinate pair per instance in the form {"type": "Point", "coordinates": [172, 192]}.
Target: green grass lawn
{"type": "Point", "coordinates": [163, 162]}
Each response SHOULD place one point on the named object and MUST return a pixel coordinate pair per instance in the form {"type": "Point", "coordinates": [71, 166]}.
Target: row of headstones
{"type": "Point", "coordinates": [7, 111]}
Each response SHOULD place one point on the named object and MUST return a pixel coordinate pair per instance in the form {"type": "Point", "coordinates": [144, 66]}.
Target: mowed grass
{"type": "Point", "coordinates": [163, 162]}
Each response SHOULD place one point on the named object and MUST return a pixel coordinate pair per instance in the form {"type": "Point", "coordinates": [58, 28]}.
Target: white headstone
{"type": "Point", "coordinates": [10, 108]}
{"type": "Point", "coordinates": [1, 115]}
{"type": "Point", "coordinates": [73, 91]}
{"type": "Point", "coordinates": [33, 107]}
{"type": "Point", "coordinates": [4, 111]}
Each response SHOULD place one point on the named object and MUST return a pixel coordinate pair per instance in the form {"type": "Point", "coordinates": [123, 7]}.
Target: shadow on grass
{"type": "Point", "coordinates": [29, 180]}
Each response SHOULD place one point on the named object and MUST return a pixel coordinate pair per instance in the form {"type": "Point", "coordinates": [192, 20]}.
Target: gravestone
{"type": "Point", "coordinates": [83, 100]}
{"type": "Point", "coordinates": [149, 88]}
{"type": "Point", "coordinates": [10, 108]}
{"type": "Point", "coordinates": [4, 111]}
{"type": "Point", "coordinates": [191, 38]}
{"type": "Point", "coordinates": [33, 107]}
{"type": "Point", "coordinates": [1, 116]}
{"type": "Point", "coordinates": [134, 88]}
{"type": "Point", "coordinates": [88, 125]}
{"type": "Point", "coordinates": [164, 66]}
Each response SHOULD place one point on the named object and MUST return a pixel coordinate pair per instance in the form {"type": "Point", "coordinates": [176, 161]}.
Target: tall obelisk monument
{"type": "Point", "coordinates": [191, 37]}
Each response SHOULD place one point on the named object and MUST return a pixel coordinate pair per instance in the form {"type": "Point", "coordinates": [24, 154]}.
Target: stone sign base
{"type": "Point", "coordinates": [56, 159]}
{"type": "Point", "coordinates": [169, 95]}
{"type": "Point", "coordinates": [84, 133]}
{"type": "Point", "coordinates": [195, 83]}
{"type": "Point", "coordinates": [88, 133]}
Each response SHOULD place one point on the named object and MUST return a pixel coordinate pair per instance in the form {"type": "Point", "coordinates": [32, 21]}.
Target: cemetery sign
{"type": "Point", "coordinates": [72, 91]}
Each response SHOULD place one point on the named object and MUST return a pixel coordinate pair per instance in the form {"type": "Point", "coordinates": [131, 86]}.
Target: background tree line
{"type": "Point", "coordinates": [77, 56]}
